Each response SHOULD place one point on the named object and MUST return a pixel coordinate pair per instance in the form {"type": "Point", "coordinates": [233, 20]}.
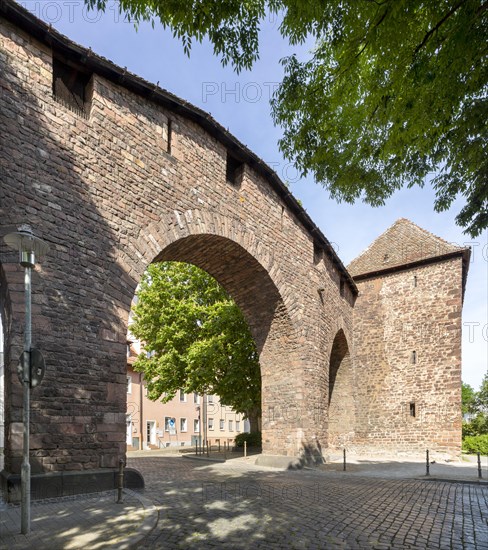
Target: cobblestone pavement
{"type": "Point", "coordinates": [92, 521]}
{"type": "Point", "coordinates": [238, 505]}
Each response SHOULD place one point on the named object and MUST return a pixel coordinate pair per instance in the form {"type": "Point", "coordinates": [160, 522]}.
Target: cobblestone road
{"type": "Point", "coordinates": [236, 505]}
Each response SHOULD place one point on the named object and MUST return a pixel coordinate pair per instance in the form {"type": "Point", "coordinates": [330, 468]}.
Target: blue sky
{"type": "Point", "coordinates": [241, 103]}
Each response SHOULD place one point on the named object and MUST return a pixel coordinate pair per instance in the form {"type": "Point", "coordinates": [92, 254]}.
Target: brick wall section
{"type": "Point", "coordinates": [109, 199]}
{"type": "Point", "coordinates": [393, 318]}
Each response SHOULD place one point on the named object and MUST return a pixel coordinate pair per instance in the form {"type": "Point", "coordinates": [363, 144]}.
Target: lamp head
{"type": "Point", "coordinates": [28, 245]}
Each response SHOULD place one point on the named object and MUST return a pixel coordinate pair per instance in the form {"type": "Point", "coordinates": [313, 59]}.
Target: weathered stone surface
{"type": "Point", "coordinates": [110, 195]}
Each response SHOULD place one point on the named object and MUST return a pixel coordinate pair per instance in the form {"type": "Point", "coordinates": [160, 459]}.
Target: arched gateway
{"type": "Point", "coordinates": [115, 173]}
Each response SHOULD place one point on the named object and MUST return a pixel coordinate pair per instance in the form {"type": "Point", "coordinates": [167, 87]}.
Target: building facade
{"type": "Point", "coordinates": [187, 420]}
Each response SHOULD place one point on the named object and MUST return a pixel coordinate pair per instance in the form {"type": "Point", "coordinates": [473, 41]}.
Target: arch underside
{"type": "Point", "coordinates": [243, 277]}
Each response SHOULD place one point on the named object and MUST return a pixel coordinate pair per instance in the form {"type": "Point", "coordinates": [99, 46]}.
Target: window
{"type": "Point", "coordinates": [341, 288]}
{"type": "Point", "coordinates": [196, 398]}
{"type": "Point", "coordinates": [231, 426]}
{"type": "Point", "coordinates": [238, 426]}
{"type": "Point", "coordinates": [413, 357]}
{"type": "Point", "coordinates": [182, 396]}
{"type": "Point", "coordinates": [222, 424]}
{"type": "Point", "coordinates": [166, 423]}
{"type": "Point", "coordinates": [183, 425]}
{"type": "Point", "coordinates": [415, 280]}
{"type": "Point", "coordinates": [412, 410]}
{"type": "Point", "coordinates": [129, 384]}
{"type": "Point", "coordinates": [168, 142]}
{"type": "Point", "coordinates": [210, 423]}
{"type": "Point", "coordinates": [233, 172]}
{"type": "Point", "coordinates": [210, 398]}
{"type": "Point", "coordinates": [70, 86]}
{"type": "Point", "coordinates": [196, 425]}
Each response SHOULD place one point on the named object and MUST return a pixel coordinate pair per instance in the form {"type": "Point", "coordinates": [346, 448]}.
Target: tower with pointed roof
{"type": "Point", "coordinates": [405, 375]}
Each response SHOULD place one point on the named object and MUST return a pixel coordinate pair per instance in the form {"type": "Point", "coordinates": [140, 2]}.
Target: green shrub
{"type": "Point", "coordinates": [253, 439]}
{"type": "Point", "coordinates": [476, 426]}
{"type": "Point", "coordinates": [476, 444]}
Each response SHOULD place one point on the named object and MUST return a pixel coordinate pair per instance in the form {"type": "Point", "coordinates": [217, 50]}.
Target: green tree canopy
{"type": "Point", "coordinates": [468, 398]}
{"type": "Point", "coordinates": [394, 90]}
{"type": "Point", "coordinates": [195, 339]}
{"type": "Point", "coordinates": [482, 396]}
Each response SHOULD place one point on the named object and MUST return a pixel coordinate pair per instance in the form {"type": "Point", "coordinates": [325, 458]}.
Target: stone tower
{"type": "Point", "coordinates": [406, 372]}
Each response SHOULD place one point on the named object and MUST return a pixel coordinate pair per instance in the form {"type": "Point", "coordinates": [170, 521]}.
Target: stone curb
{"type": "Point", "coordinates": [203, 458]}
{"type": "Point", "coordinates": [454, 480]}
{"type": "Point", "coordinates": [151, 519]}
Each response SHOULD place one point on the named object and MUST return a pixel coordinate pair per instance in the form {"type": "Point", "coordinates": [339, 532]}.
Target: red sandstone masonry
{"type": "Point", "coordinates": [109, 199]}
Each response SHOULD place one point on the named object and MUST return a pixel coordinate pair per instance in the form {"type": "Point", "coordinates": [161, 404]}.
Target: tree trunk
{"type": "Point", "coordinates": [254, 418]}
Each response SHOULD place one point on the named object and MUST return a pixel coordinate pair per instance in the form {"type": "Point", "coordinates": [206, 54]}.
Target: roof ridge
{"type": "Point", "coordinates": [454, 245]}
{"type": "Point", "coordinates": [402, 243]}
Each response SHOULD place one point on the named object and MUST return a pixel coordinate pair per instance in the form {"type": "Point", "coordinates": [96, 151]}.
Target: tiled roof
{"type": "Point", "coordinates": [401, 244]}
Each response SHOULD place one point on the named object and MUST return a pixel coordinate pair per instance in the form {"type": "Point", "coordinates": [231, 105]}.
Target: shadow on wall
{"type": "Point", "coordinates": [76, 290]}
{"type": "Point", "coordinates": [310, 456]}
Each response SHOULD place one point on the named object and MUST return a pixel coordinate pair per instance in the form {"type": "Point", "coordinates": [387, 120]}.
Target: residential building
{"type": "Point", "coordinates": [186, 420]}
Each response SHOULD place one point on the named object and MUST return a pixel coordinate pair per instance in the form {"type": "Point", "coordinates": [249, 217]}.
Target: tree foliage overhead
{"type": "Point", "coordinates": [394, 90]}
{"type": "Point", "coordinates": [195, 339]}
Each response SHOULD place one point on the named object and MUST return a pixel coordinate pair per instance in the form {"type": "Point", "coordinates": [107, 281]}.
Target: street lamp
{"type": "Point", "coordinates": [29, 247]}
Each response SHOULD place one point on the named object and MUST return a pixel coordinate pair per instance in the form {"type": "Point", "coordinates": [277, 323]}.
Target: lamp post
{"type": "Point", "coordinates": [205, 421]}
{"type": "Point", "coordinates": [199, 430]}
{"type": "Point", "coordinates": [29, 247]}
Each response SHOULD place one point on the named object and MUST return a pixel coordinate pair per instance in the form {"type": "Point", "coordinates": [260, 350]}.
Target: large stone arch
{"type": "Point", "coordinates": [341, 395]}
{"type": "Point", "coordinates": [229, 253]}
{"type": "Point", "coordinates": [110, 196]}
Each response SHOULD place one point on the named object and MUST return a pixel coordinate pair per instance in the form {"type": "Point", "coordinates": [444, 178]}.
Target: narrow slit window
{"type": "Point", "coordinates": [170, 136]}
{"type": "Point", "coordinates": [342, 288]}
{"type": "Point", "coordinates": [412, 410]}
{"type": "Point", "coordinates": [415, 280]}
{"type": "Point", "coordinates": [413, 357]}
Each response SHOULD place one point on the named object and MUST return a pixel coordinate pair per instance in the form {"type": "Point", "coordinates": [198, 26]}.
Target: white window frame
{"type": "Point", "coordinates": [196, 425]}
{"type": "Point", "coordinates": [231, 425]}
{"type": "Point", "coordinates": [222, 424]}
{"type": "Point", "coordinates": [211, 425]}
{"type": "Point", "coordinates": [182, 395]}
{"type": "Point", "coordinates": [183, 425]}
{"type": "Point", "coordinates": [129, 384]}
